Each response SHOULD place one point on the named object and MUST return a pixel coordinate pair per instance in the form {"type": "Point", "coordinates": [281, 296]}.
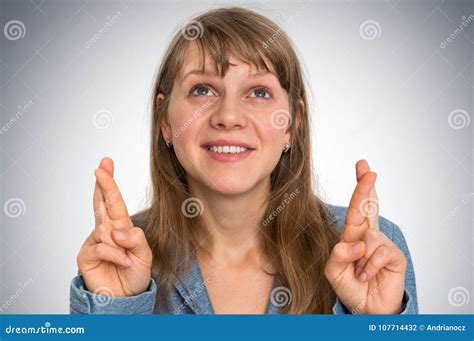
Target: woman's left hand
{"type": "Point", "coordinates": [366, 269]}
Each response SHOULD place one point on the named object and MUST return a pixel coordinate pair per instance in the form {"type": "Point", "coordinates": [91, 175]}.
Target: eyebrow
{"type": "Point", "coordinates": [261, 74]}
{"type": "Point", "coordinates": [200, 72]}
{"type": "Point", "coordinates": [213, 74]}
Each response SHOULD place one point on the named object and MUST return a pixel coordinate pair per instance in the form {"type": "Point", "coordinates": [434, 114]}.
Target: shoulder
{"type": "Point", "coordinates": [389, 228]}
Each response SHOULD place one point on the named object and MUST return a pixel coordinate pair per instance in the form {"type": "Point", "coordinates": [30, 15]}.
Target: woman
{"type": "Point", "coordinates": [233, 225]}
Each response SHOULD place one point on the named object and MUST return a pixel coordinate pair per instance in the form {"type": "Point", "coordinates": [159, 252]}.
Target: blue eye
{"type": "Point", "coordinates": [260, 93]}
{"type": "Point", "coordinates": [201, 90]}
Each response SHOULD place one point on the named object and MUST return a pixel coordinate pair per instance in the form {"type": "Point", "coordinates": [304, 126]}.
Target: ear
{"type": "Point", "coordinates": [165, 126]}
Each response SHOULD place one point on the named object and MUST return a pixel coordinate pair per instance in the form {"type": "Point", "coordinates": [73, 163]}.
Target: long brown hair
{"type": "Point", "coordinates": [296, 227]}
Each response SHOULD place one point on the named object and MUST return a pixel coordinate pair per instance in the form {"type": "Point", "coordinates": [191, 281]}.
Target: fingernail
{"type": "Point", "coordinates": [357, 247]}
{"type": "Point", "coordinates": [128, 261]}
{"type": "Point", "coordinates": [363, 276]}
{"type": "Point", "coordinates": [121, 235]}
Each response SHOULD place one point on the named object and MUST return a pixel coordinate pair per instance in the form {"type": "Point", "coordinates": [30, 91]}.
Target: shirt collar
{"type": "Point", "coordinates": [192, 288]}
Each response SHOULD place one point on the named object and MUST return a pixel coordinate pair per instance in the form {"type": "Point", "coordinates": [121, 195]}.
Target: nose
{"type": "Point", "coordinates": [228, 114]}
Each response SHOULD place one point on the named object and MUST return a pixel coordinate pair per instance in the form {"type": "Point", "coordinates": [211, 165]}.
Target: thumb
{"type": "Point", "coordinates": [134, 240]}
{"type": "Point", "coordinates": [342, 255]}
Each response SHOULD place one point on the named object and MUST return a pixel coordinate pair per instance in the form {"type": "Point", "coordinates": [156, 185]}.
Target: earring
{"type": "Point", "coordinates": [168, 143]}
{"type": "Point", "coordinates": [287, 146]}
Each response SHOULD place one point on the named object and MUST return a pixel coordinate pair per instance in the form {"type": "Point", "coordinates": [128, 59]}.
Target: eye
{"type": "Point", "coordinates": [260, 92]}
{"type": "Point", "coordinates": [201, 90]}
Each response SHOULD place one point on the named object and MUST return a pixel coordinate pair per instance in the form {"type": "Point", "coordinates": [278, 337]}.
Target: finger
{"type": "Point", "coordinates": [372, 239]}
{"type": "Point", "coordinates": [372, 209]}
{"type": "Point", "coordinates": [341, 256]}
{"type": "Point", "coordinates": [383, 256]}
{"type": "Point", "coordinates": [133, 240]}
{"type": "Point", "coordinates": [114, 204]}
{"type": "Point", "coordinates": [103, 234]}
{"type": "Point", "coordinates": [107, 164]}
{"type": "Point", "coordinates": [100, 213]}
{"type": "Point", "coordinates": [108, 253]}
{"type": "Point", "coordinates": [362, 167]}
{"type": "Point", "coordinates": [372, 205]}
{"type": "Point", "coordinates": [355, 223]}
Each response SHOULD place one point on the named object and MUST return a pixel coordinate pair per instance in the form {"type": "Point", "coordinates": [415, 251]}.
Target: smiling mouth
{"type": "Point", "coordinates": [227, 149]}
{"type": "Point", "coordinates": [227, 154]}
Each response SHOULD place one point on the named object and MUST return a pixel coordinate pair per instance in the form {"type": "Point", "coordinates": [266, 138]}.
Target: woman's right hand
{"type": "Point", "coordinates": [115, 259]}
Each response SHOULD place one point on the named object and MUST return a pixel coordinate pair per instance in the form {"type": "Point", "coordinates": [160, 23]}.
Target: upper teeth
{"type": "Point", "coordinates": [227, 149]}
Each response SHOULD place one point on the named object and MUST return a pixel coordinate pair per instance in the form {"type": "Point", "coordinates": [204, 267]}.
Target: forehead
{"type": "Point", "coordinates": [194, 59]}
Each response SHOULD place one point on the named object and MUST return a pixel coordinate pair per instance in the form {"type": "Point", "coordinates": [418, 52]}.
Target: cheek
{"type": "Point", "coordinates": [271, 142]}
{"type": "Point", "coordinates": [270, 133]}
{"type": "Point", "coordinates": [184, 122]}
{"type": "Point", "coordinates": [185, 130]}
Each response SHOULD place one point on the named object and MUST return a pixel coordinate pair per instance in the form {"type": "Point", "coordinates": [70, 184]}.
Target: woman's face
{"type": "Point", "coordinates": [246, 107]}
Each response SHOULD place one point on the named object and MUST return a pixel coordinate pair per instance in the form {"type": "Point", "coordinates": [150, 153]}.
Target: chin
{"type": "Point", "coordinates": [229, 187]}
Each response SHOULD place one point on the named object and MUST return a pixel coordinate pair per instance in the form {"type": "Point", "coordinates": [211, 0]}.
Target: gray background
{"type": "Point", "coordinates": [386, 99]}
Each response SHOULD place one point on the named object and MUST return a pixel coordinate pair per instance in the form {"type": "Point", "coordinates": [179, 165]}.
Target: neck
{"type": "Point", "coordinates": [230, 224]}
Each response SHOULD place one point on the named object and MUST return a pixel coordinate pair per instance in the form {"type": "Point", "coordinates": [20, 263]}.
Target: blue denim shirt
{"type": "Point", "coordinates": [189, 294]}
